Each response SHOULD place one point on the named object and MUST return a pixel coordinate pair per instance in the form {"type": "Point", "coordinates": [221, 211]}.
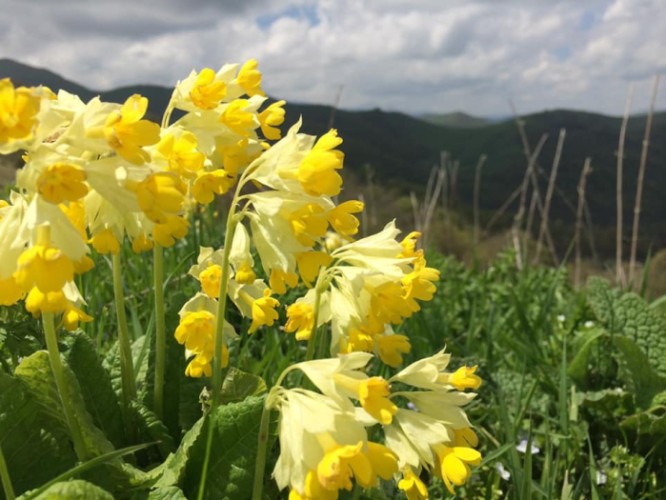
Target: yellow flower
{"type": "Point", "coordinates": [419, 283]}
{"type": "Point", "coordinates": [10, 291]}
{"type": "Point", "coordinates": [174, 228]}
{"type": "Point", "coordinates": [342, 220]}
{"type": "Point", "coordinates": [409, 244]}
{"type": "Point", "coordinates": [309, 264]}
{"type": "Point", "coordinates": [38, 302]}
{"type": "Point", "coordinates": [105, 242]}
{"type": "Point", "coordinates": [43, 266]}
{"type": "Point", "coordinates": [412, 485]}
{"type": "Point", "coordinates": [141, 243]}
{"type": "Point", "coordinates": [72, 316]}
{"type": "Point", "coordinates": [127, 133]}
{"type": "Point", "coordinates": [62, 182]}
{"type": "Point", "coordinates": [200, 365]}
{"type": "Point", "coordinates": [373, 394]}
{"type": "Point", "coordinates": [181, 154]}
{"type": "Point", "coordinates": [279, 280]}
{"type": "Point", "coordinates": [210, 280]}
{"type": "Point", "coordinates": [245, 274]}
{"type": "Point", "coordinates": [308, 223]}
{"type": "Point", "coordinates": [313, 490]}
{"type": "Point", "coordinates": [271, 118]}
{"type": "Point", "coordinates": [263, 311]}
{"type": "Point", "coordinates": [465, 378]}
{"type": "Point", "coordinates": [454, 464]}
{"type": "Point", "coordinates": [160, 195]}
{"type": "Point", "coordinates": [249, 78]}
{"type": "Point", "coordinates": [196, 330]}
{"type": "Point", "coordinates": [207, 91]}
{"type": "Point", "coordinates": [18, 112]}
{"type": "Point", "coordinates": [208, 184]}
{"type": "Point", "coordinates": [317, 172]}
{"type": "Point", "coordinates": [300, 319]}
{"type": "Point", "coordinates": [237, 118]}
{"type": "Point", "coordinates": [390, 348]}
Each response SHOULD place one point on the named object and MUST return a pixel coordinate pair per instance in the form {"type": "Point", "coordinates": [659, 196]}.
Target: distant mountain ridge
{"type": "Point", "coordinates": [457, 119]}
{"type": "Point", "coordinates": [403, 149]}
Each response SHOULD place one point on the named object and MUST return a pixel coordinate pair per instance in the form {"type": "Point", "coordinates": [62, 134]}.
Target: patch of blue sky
{"type": "Point", "coordinates": [587, 20]}
{"type": "Point", "coordinates": [563, 52]}
{"type": "Point", "coordinates": [307, 12]}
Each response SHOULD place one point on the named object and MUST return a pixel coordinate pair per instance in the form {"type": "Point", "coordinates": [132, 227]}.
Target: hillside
{"type": "Point", "coordinates": [456, 119]}
{"type": "Point", "coordinates": [402, 150]}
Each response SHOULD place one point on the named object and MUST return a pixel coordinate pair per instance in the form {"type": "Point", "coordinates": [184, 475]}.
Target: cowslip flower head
{"type": "Point", "coordinates": [270, 119]}
{"type": "Point", "coordinates": [317, 173]}
{"type": "Point", "coordinates": [249, 78]}
{"type": "Point", "coordinates": [411, 484]}
{"type": "Point", "coordinates": [127, 133]}
{"type": "Point", "coordinates": [18, 115]}
{"type": "Point", "coordinates": [324, 447]}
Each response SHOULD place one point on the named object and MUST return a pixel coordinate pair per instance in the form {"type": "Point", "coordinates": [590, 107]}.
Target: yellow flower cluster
{"type": "Point", "coordinates": [324, 442]}
{"type": "Point", "coordinates": [97, 172]}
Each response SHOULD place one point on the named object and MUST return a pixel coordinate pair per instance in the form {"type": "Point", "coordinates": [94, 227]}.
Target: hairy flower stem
{"type": "Point", "coordinates": [262, 449]}
{"type": "Point", "coordinates": [126, 363]}
{"type": "Point", "coordinates": [63, 389]}
{"type": "Point", "coordinates": [6, 480]}
{"type": "Point", "coordinates": [160, 334]}
{"type": "Point", "coordinates": [232, 220]}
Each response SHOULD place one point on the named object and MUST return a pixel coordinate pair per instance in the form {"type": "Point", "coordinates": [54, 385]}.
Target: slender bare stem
{"type": "Point", "coordinates": [477, 187]}
{"type": "Point", "coordinates": [579, 218]}
{"type": "Point", "coordinates": [518, 218]}
{"type": "Point", "coordinates": [543, 228]}
{"type": "Point", "coordinates": [641, 179]}
{"type": "Point", "coordinates": [619, 269]}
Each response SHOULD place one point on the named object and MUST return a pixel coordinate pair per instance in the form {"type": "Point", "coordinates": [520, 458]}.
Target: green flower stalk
{"type": "Point", "coordinates": [160, 333]}
{"type": "Point", "coordinates": [6, 480]}
{"type": "Point", "coordinates": [63, 389]}
{"type": "Point", "coordinates": [126, 363]}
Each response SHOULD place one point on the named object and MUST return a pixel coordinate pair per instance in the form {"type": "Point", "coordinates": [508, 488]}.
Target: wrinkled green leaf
{"type": "Point", "coordinates": [578, 367]}
{"type": "Point", "coordinates": [167, 493]}
{"type": "Point", "coordinates": [27, 435]}
{"type": "Point", "coordinates": [151, 428]}
{"type": "Point", "coordinates": [641, 378]}
{"type": "Point", "coordinates": [173, 469]}
{"type": "Point", "coordinates": [629, 315]}
{"type": "Point", "coordinates": [97, 390]}
{"type": "Point", "coordinates": [76, 489]}
{"type": "Point", "coordinates": [239, 385]}
{"type": "Point", "coordinates": [231, 468]}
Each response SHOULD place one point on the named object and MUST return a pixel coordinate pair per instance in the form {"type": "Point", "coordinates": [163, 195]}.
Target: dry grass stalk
{"type": "Point", "coordinates": [543, 228]}
{"type": "Point", "coordinates": [639, 185]}
{"type": "Point", "coordinates": [477, 186]}
{"type": "Point", "coordinates": [619, 269]}
{"type": "Point", "coordinates": [423, 215]}
{"type": "Point", "coordinates": [587, 168]}
{"type": "Point", "coordinates": [518, 218]}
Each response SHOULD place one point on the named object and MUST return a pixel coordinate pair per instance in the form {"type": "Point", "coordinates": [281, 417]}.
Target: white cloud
{"type": "Point", "coordinates": [431, 55]}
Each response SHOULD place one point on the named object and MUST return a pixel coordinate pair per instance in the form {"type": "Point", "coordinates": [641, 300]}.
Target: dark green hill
{"type": "Point", "coordinates": [402, 150]}
{"type": "Point", "coordinates": [456, 119]}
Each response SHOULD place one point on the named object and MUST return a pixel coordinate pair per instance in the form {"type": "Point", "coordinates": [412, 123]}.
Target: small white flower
{"type": "Point", "coordinates": [561, 318]}
{"type": "Point", "coordinates": [601, 477]}
{"type": "Point", "coordinates": [522, 447]}
{"type": "Point", "coordinates": [588, 324]}
{"type": "Point", "coordinates": [504, 474]}
{"type": "Point", "coordinates": [412, 406]}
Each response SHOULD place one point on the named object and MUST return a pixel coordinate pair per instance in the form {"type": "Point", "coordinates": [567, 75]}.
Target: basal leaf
{"type": "Point", "coordinates": [577, 369]}
{"type": "Point", "coordinates": [76, 488]}
{"type": "Point", "coordinates": [231, 468]}
{"type": "Point", "coordinates": [173, 469]}
{"type": "Point", "coordinates": [641, 377]}
{"type": "Point", "coordinates": [27, 436]}
{"type": "Point", "coordinates": [97, 390]}
{"type": "Point", "coordinates": [238, 385]}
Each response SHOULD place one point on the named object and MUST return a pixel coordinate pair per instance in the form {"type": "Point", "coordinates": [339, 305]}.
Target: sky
{"type": "Point", "coordinates": [412, 56]}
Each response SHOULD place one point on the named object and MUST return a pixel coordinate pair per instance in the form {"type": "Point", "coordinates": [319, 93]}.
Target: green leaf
{"type": "Point", "coordinates": [173, 469]}
{"type": "Point", "coordinates": [578, 367]}
{"type": "Point", "coordinates": [96, 387]}
{"type": "Point", "coordinates": [151, 428]}
{"type": "Point", "coordinates": [231, 468]}
{"type": "Point", "coordinates": [27, 435]}
{"type": "Point", "coordinates": [629, 315]}
{"type": "Point", "coordinates": [239, 385]}
{"type": "Point", "coordinates": [167, 493]}
{"type": "Point", "coordinates": [75, 489]}
{"type": "Point", "coordinates": [35, 371]}
{"type": "Point", "coordinates": [644, 382]}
